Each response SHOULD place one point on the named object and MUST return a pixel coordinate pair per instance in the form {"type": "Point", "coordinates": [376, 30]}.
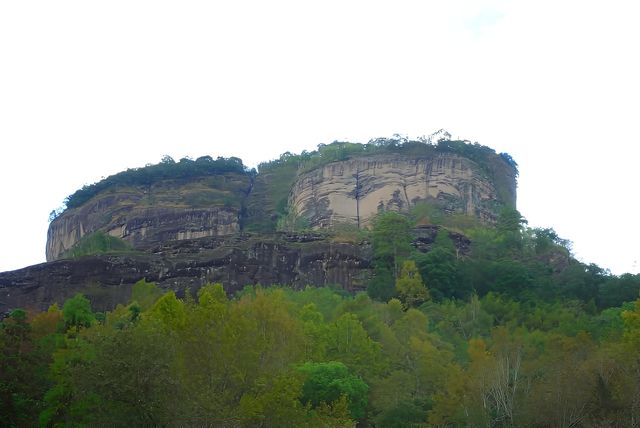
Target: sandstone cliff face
{"type": "Point", "coordinates": [355, 190]}
{"type": "Point", "coordinates": [144, 216]}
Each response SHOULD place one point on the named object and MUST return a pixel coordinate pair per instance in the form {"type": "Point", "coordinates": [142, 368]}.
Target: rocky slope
{"type": "Point", "coordinates": [355, 190]}
{"type": "Point", "coordinates": [182, 224]}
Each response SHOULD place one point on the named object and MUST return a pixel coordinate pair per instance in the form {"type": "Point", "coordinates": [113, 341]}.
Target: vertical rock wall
{"type": "Point", "coordinates": [355, 190]}
{"type": "Point", "coordinates": [143, 216]}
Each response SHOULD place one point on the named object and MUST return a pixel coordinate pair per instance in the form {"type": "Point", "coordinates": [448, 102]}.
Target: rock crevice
{"type": "Point", "coordinates": [355, 190]}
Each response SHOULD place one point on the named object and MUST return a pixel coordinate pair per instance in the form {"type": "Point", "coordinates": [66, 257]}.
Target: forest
{"type": "Point", "coordinates": [513, 332]}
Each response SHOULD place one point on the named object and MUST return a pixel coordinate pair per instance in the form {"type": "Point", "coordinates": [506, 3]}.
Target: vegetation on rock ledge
{"type": "Point", "coordinates": [166, 169]}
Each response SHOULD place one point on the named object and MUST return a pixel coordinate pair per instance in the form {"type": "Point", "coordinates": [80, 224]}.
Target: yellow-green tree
{"type": "Point", "coordinates": [409, 285]}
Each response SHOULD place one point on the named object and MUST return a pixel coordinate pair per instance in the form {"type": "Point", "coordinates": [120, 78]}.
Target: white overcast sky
{"type": "Point", "coordinates": [90, 88]}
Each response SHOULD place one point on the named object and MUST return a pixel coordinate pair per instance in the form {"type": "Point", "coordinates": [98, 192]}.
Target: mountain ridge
{"type": "Point", "coordinates": [191, 222]}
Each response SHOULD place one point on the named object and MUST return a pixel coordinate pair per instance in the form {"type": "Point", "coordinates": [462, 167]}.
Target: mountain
{"type": "Point", "coordinates": [151, 310]}
{"type": "Point", "coordinates": [183, 224]}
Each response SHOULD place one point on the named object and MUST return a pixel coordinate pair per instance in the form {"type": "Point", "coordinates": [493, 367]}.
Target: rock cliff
{"type": "Point", "coordinates": [236, 261]}
{"type": "Point", "coordinates": [355, 190]}
{"type": "Point", "coordinates": [163, 211]}
{"type": "Point", "coordinates": [291, 259]}
{"type": "Point", "coordinates": [182, 224]}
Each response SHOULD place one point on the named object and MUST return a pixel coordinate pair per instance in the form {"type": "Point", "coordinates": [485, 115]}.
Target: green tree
{"type": "Point", "coordinates": [274, 402]}
{"type": "Point", "coordinates": [77, 312]}
{"type": "Point", "coordinates": [465, 400]}
{"type": "Point", "coordinates": [65, 404]}
{"type": "Point", "coordinates": [510, 227]}
{"type": "Point", "coordinates": [209, 367]}
{"type": "Point", "coordinates": [16, 370]}
{"type": "Point", "coordinates": [170, 311]}
{"type": "Point", "coordinates": [145, 294]}
{"type": "Point", "coordinates": [327, 382]}
{"type": "Point", "coordinates": [349, 342]}
{"type": "Point", "coordinates": [382, 286]}
{"type": "Point", "coordinates": [130, 376]}
{"type": "Point", "coordinates": [409, 285]}
{"type": "Point", "coordinates": [391, 237]}
{"type": "Point", "coordinates": [440, 267]}
{"type": "Point", "coordinates": [631, 346]}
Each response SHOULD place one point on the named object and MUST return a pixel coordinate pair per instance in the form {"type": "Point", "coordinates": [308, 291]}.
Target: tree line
{"type": "Point", "coordinates": [149, 174]}
{"type": "Point", "coordinates": [276, 357]}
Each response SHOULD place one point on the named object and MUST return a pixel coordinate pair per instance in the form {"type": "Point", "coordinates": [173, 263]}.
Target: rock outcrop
{"type": "Point", "coordinates": [355, 190]}
{"type": "Point", "coordinates": [292, 259]}
{"type": "Point", "coordinates": [191, 222]}
{"type": "Point", "coordinates": [165, 211]}
{"type": "Point", "coordinates": [236, 261]}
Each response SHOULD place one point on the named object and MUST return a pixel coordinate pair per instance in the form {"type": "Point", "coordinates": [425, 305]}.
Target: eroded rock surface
{"type": "Point", "coordinates": [355, 190]}
{"type": "Point", "coordinates": [143, 216]}
{"type": "Point", "coordinates": [236, 261]}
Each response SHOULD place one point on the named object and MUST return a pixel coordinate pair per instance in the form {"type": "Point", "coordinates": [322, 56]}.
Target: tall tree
{"type": "Point", "coordinates": [77, 312]}
{"type": "Point", "coordinates": [439, 267]}
{"type": "Point", "coordinates": [327, 382]}
{"type": "Point", "coordinates": [410, 287]}
{"type": "Point", "coordinates": [391, 240]}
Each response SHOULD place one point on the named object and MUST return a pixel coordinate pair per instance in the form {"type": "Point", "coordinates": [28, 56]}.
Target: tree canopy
{"type": "Point", "coordinates": [166, 169]}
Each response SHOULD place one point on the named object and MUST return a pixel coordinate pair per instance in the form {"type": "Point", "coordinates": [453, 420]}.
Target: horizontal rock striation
{"type": "Point", "coordinates": [355, 190]}
{"type": "Point", "coordinates": [193, 222]}
{"type": "Point", "coordinates": [146, 215]}
{"type": "Point", "coordinates": [293, 260]}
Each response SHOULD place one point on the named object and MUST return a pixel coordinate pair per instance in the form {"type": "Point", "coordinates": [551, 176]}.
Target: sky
{"type": "Point", "coordinates": [88, 89]}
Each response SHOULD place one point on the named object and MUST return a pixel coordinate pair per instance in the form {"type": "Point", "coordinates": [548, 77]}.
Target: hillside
{"type": "Point", "coordinates": [339, 184]}
{"type": "Point", "coordinates": [392, 284]}
{"type": "Point", "coordinates": [306, 219]}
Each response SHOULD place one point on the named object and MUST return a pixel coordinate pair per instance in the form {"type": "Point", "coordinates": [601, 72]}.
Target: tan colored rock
{"type": "Point", "coordinates": [355, 190]}
{"type": "Point", "coordinates": [167, 210]}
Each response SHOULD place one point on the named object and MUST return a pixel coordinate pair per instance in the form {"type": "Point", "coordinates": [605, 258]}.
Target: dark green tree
{"type": "Point", "coordinates": [391, 236]}
{"type": "Point", "coordinates": [77, 312]}
{"type": "Point", "coordinates": [509, 227]}
{"type": "Point", "coordinates": [382, 285]}
{"type": "Point", "coordinates": [327, 382]}
{"type": "Point", "coordinates": [16, 371]}
{"type": "Point", "coordinates": [440, 268]}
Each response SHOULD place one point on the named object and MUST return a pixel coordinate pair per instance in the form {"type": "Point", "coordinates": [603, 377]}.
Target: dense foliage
{"type": "Point", "coordinates": [342, 150]}
{"type": "Point", "coordinates": [166, 169]}
{"type": "Point", "coordinates": [509, 332]}
{"type": "Point", "coordinates": [277, 357]}
{"type": "Point", "coordinates": [511, 259]}
{"type": "Point", "coordinates": [515, 332]}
